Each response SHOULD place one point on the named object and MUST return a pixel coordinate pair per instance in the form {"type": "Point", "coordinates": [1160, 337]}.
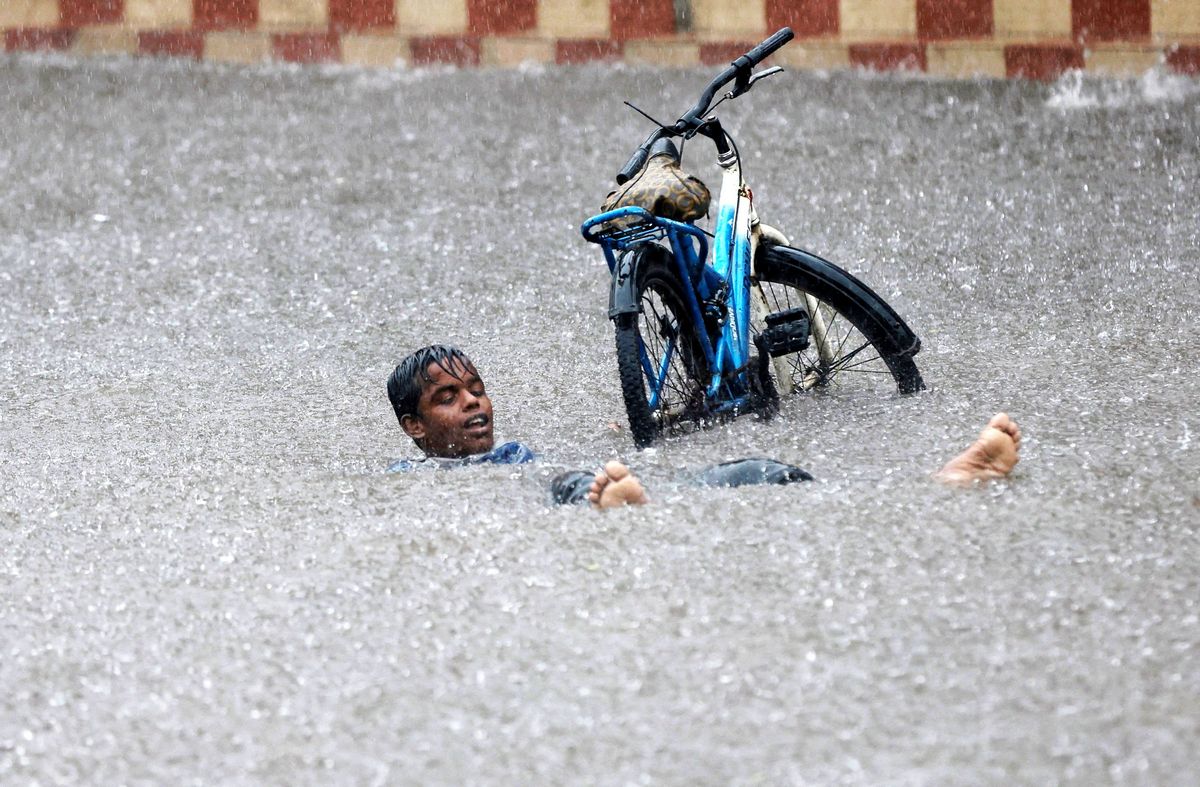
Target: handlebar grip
{"type": "Point", "coordinates": [766, 48]}
{"type": "Point", "coordinates": [635, 164]}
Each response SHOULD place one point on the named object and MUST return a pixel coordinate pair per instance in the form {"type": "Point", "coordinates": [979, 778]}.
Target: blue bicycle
{"type": "Point", "coordinates": [700, 339]}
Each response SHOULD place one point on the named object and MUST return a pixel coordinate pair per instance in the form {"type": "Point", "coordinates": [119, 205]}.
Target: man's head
{"type": "Point", "coordinates": [441, 403]}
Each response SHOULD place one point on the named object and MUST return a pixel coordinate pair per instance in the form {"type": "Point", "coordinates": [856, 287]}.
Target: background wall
{"type": "Point", "coordinates": [1024, 38]}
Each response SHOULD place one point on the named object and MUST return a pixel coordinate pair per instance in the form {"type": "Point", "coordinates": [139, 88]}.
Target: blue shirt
{"type": "Point", "coordinates": [511, 453]}
{"type": "Point", "coordinates": [572, 487]}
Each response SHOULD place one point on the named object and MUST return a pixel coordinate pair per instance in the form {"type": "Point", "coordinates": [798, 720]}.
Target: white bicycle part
{"type": "Point", "coordinates": [765, 234]}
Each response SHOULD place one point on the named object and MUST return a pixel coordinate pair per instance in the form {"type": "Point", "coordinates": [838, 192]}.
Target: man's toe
{"type": "Point", "coordinates": [615, 470]}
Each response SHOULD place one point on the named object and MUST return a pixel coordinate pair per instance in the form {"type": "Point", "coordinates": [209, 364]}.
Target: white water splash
{"type": "Point", "coordinates": [1076, 90]}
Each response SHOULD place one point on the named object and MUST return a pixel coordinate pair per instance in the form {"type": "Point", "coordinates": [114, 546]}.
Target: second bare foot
{"type": "Point", "coordinates": [993, 454]}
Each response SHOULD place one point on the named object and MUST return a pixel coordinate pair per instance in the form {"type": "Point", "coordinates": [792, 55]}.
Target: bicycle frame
{"type": "Point", "coordinates": [732, 251]}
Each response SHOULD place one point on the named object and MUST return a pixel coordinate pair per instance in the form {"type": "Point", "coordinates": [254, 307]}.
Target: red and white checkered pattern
{"type": "Point", "coordinates": [1018, 38]}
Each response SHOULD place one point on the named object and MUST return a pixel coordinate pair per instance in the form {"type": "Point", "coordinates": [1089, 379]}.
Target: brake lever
{"type": "Point", "coordinates": [770, 72]}
{"type": "Point", "coordinates": [741, 87]}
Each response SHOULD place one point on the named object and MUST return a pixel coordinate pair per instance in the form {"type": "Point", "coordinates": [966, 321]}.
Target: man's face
{"type": "Point", "coordinates": [454, 414]}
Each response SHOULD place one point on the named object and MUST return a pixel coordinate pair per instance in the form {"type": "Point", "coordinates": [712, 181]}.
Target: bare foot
{"type": "Point", "coordinates": [992, 455]}
{"type": "Point", "coordinates": [616, 486]}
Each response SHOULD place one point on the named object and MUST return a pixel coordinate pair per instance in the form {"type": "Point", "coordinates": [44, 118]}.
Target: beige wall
{"type": "Point", "coordinates": [1032, 18]}
{"type": "Point", "coordinates": [878, 18]}
{"type": "Point", "coordinates": [28, 13]}
{"type": "Point", "coordinates": [573, 18]}
{"type": "Point", "coordinates": [722, 19]}
{"type": "Point", "coordinates": [293, 14]}
{"type": "Point", "coordinates": [151, 14]}
{"type": "Point", "coordinates": [1170, 18]}
{"type": "Point", "coordinates": [428, 17]}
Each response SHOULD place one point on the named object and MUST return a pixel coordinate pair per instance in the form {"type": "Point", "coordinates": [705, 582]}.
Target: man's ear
{"type": "Point", "coordinates": [413, 427]}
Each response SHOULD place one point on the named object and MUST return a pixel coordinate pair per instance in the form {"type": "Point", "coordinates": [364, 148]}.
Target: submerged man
{"type": "Point", "coordinates": [442, 404]}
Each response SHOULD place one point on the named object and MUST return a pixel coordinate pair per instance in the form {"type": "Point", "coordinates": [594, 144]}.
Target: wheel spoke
{"type": "Point", "coordinates": [846, 345]}
{"type": "Point", "coordinates": [842, 359]}
{"type": "Point", "coordinates": [668, 362]}
{"type": "Point", "coordinates": [842, 343]}
{"type": "Point", "coordinates": [864, 362]}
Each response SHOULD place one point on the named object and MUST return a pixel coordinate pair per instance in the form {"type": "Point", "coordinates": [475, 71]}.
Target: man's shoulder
{"type": "Point", "coordinates": [510, 453]}
{"type": "Point", "coordinates": [410, 465]}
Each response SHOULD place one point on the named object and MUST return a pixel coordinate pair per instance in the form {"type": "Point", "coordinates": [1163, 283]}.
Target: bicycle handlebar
{"type": "Point", "coordinates": [692, 118]}
{"type": "Point", "coordinates": [638, 159]}
{"type": "Point", "coordinates": [768, 47]}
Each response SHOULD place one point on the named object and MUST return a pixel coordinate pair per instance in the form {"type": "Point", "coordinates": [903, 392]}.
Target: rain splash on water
{"type": "Point", "coordinates": [208, 272]}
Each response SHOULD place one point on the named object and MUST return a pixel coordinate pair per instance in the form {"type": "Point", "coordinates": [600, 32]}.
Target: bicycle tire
{"type": "Point", "coordinates": [872, 341]}
{"type": "Point", "coordinates": [662, 316]}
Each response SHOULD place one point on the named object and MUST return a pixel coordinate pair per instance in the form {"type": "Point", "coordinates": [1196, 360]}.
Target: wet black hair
{"type": "Point", "coordinates": [411, 375]}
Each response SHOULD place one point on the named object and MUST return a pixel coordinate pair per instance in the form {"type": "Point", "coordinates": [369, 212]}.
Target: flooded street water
{"type": "Point", "coordinates": [206, 274]}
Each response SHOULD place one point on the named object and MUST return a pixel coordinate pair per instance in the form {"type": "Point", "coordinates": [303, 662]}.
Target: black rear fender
{"type": "Point", "coordinates": [623, 295]}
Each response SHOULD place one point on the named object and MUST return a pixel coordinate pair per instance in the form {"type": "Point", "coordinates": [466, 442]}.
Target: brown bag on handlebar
{"type": "Point", "coordinates": [664, 189]}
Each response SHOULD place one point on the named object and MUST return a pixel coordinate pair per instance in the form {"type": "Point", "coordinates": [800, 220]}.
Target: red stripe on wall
{"type": "Point", "coordinates": [33, 39]}
{"type": "Point", "coordinates": [715, 53]}
{"type": "Point", "coordinates": [587, 51]}
{"type": "Point", "coordinates": [1184, 59]}
{"type": "Point", "coordinates": [888, 57]}
{"type": "Point", "coordinates": [807, 18]}
{"type": "Point", "coordinates": [452, 50]}
{"type": "Point", "coordinates": [90, 12]}
{"type": "Point", "coordinates": [306, 47]}
{"type": "Point", "coordinates": [501, 17]}
{"type": "Point", "coordinates": [641, 18]}
{"type": "Point", "coordinates": [1041, 62]}
{"type": "Point", "coordinates": [1110, 20]}
{"type": "Point", "coordinates": [171, 43]}
{"type": "Point", "coordinates": [361, 14]}
{"type": "Point", "coordinates": [942, 19]}
{"type": "Point", "coordinates": [224, 14]}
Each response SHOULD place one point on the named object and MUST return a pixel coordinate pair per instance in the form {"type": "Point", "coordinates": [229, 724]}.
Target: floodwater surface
{"type": "Point", "coordinates": [206, 274]}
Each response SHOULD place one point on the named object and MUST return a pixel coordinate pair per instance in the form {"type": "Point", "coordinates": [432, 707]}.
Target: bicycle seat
{"type": "Point", "coordinates": [663, 188]}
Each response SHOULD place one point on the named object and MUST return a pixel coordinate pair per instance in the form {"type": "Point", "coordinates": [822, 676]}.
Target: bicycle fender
{"type": "Point", "coordinates": [622, 295]}
{"type": "Point", "coordinates": [822, 275]}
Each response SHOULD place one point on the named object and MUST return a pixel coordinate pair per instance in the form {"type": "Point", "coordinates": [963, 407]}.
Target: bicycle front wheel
{"type": "Point", "coordinates": [659, 357]}
{"type": "Point", "coordinates": [856, 340]}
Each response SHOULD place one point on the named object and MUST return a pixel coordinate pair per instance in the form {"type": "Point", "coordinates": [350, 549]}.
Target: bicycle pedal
{"type": "Point", "coordinates": [787, 332]}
